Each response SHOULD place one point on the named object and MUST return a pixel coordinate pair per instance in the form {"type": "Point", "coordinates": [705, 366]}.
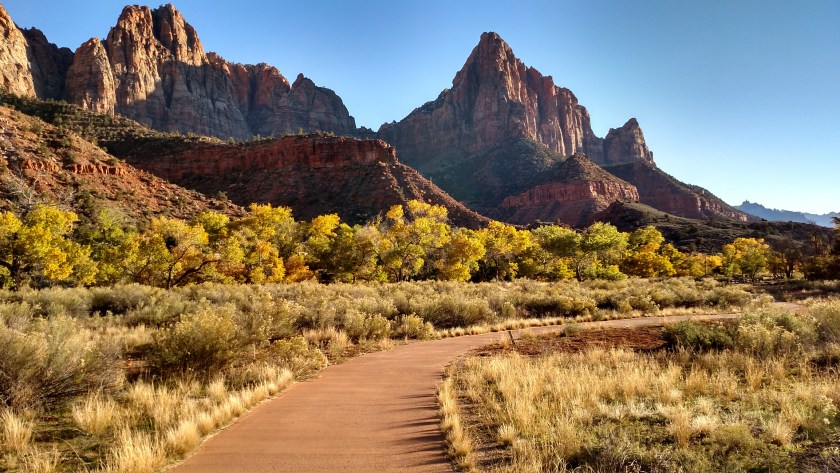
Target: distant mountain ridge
{"type": "Point", "coordinates": [776, 215]}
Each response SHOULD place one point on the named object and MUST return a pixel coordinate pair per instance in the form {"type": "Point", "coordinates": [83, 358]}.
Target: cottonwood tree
{"type": "Point", "coordinates": [407, 242]}
{"type": "Point", "coordinates": [173, 252]}
{"type": "Point", "coordinates": [745, 256]}
{"type": "Point", "coordinates": [40, 247]}
{"type": "Point", "coordinates": [644, 256]}
{"type": "Point", "coordinates": [504, 245]}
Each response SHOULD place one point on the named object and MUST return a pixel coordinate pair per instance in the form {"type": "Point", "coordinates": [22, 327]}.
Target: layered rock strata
{"type": "Point", "coordinates": [314, 175]}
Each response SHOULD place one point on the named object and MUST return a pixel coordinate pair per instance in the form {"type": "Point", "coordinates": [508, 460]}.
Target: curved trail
{"type": "Point", "coordinates": [377, 412]}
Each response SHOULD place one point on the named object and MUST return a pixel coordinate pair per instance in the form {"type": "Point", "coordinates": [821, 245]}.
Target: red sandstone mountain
{"type": "Point", "coordinates": [497, 140]}
{"type": "Point", "coordinates": [153, 68]}
{"type": "Point", "coordinates": [574, 191]}
{"type": "Point", "coordinates": [503, 128]}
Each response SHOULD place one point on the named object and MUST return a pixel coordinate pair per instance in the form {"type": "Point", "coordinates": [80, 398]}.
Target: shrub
{"type": "Point", "coordinates": [201, 342]}
{"type": "Point", "coordinates": [52, 362]}
{"type": "Point", "coordinates": [449, 311]}
{"type": "Point", "coordinates": [827, 316]}
{"type": "Point", "coordinates": [773, 332]}
{"type": "Point", "coordinates": [696, 336]}
{"type": "Point", "coordinates": [296, 355]}
{"type": "Point", "coordinates": [121, 299]}
{"type": "Point", "coordinates": [412, 326]}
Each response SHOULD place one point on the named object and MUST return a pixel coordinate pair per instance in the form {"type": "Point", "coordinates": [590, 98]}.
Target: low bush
{"type": "Point", "coordinates": [52, 362]}
{"type": "Point", "coordinates": [697, 336]}
{"type": "Point", "coordinates": [412, 326]}
{"type": "Point", "coordinates": [296, 355]}
{"type": "Point", "coordinates": [201, 342]}
{"type": "Point", "coordinates": [827, 317]}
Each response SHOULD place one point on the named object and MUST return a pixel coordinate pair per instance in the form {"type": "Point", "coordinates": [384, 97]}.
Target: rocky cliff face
{"type": "Point", "coordinates": [314, 175]}
{"type": "Point", "coordinates": [495, 98]}
{"type": "Point", "coordinates": [571, 193]}
{"type": "Point", "coordinates": [663, 192]}
{"type": "Point", "coordinates": [626, 145]}
{"type": "Point", "coordinates": [153, 68]}
{"type": "Point", "coordinates": [15, 74]}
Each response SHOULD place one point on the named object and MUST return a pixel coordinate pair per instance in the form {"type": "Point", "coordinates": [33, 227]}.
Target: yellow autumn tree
{"type": "Point", "coordinates": [745, 256]}
{"type": "Point", "coordinates": [40, 247]}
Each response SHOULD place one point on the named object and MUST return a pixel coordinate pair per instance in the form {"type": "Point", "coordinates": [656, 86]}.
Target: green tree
{"type": "Point", "coordinates": [114, 245]}
{"type": "Point", "coordinates": [551, 255]}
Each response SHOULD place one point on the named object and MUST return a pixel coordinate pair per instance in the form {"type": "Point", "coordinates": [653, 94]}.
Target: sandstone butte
{"type": "Point", "coordinates": [494, 100]}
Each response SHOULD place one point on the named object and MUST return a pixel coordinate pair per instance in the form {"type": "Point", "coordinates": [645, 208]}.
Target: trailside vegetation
{"type": "Point", "coordinates": [48, 246]}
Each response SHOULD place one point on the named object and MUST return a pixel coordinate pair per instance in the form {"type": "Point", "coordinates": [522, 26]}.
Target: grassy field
{"type": "Point", "coordinates": [131, 378]}
{"type": "Point", "coordinates": [759, 394]}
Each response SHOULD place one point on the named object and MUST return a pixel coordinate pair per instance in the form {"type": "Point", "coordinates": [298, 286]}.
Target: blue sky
{"type": "Point", "coordinates": [740, 97]}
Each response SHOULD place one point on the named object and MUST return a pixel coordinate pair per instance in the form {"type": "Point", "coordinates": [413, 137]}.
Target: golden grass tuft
{"type": "Point", "coordinates": [135, 452]}
{"type": "Point", "coordinates": [183, 439]}
{"type": "Point", "coordinates": [17, 432]}
{"type": "Point", "coordinates": [36, 460]}
{"type": "Point", "coordinates": [95, 414]}
{"type": "Point", "coordinates": [460, 445]}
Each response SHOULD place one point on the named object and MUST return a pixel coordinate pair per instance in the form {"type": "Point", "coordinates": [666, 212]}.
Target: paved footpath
{"type": "Point", "coordinates": [375, 413]}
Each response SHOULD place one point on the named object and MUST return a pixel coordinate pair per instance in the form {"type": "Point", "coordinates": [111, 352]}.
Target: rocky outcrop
{"type": "Point", "coordinates": [314, 175]}
{"type": "Point", "coordinates": [90, 81]}
{"type": "Point", "coordinates": [15, 73]}
{"type": "Point", "coordinates": [48, 64]}
{"type": "Point", "coordinates": [54, 166]}
{"type": "Point", "coordinates": [325, 153]}
{"type": "Point", "coordinates": [626, 145]}
{"type": "Point", "coordinates": [152, 68]}
{"type": "Point", "coordinates": [571, 193]}
{"type": "Point", "coordinates": [495, 98]}
{"type": "Point", "coordinates": [663, 192]}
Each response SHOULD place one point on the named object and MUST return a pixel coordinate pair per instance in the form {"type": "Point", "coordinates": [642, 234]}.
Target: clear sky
{"type": "Point", "coordinates": [740, 97]}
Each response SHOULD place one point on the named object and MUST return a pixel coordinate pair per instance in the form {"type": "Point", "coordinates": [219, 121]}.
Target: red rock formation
{"type": "Point", "coordinates": [663, 192]}
{"type": "Point", "coordinates": [574, 192]}
{"type": "Point", "coordinates": [317, 153]}
{"type": "Point", "coordinates": [626, 145]}
{"type": "Point", "coordinates": [314, 175]}
{"type": "Point", "coordinates": [15, 73]}
{"type": "Point", "coordinates": [153, 68]}
{"type": "Point", "coordinates": [40, 168]}
{"type": "Point", "coordinates": [495, 98]}
{"type": "Point", "coordinates": [48, 64]}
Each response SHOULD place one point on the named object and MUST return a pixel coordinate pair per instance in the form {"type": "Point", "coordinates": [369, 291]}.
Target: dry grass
{"type": "Point", "coordinates": [38, 461]}
{"type": "Point", "coordinates": [460, 445]}
{"type": "Point", "coordinates": [135, 452]}
{"type": "Point", "coordinates": [617, 410]}
{"type": "Point", "coordinates": [17, 432]}
{"type": "Point", "coordinates": [95, 414]}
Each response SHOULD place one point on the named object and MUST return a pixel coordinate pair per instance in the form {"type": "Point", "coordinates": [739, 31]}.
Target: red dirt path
{"type": "Point", "coordinates": [374, 413]}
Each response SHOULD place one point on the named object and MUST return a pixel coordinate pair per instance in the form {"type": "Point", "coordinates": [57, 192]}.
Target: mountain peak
{"type": "Point", "coordinates": [626, 145]}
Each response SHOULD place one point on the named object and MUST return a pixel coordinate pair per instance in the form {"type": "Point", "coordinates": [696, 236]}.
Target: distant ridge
{"type": "Point", "coordinates": [776, 215]}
